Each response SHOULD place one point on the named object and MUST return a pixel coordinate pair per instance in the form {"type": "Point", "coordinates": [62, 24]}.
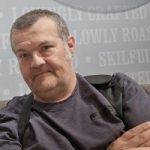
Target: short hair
{"type": "Point", "coordinates": [28, 19]}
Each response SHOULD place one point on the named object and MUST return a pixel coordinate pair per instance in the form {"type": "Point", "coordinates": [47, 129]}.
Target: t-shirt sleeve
{"type": "Point", "coordinates": [136, 101]}
{"type": "Point", "coordinates": [8, 140]}
{"type": "Point", "coordinates": [8, 127]}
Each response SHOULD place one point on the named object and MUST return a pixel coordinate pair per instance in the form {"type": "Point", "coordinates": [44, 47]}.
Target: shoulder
{"type": "Point", "coordinates": [124, 80]}
{"type": "Point", "coordinates": [121, 77]}
{"type": "Point", "coordinates": [9, 116]}
{"type": "Point", "coordinates": [129, 86]}
{"type": "Point", "coordinates": [15, 105]}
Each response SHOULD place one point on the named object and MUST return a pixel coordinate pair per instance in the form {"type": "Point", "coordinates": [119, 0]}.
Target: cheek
{"type": "Point", "coordinates": [25, 71]}
{"type": "Point", "coordinates": [59, 63]}
{"type": "Point", "coordinates": [68, 55]}
{"type": "Point", "coordinates": [55, 61]}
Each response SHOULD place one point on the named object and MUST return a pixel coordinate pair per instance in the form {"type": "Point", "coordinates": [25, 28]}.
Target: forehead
{"type": "Point", "coordinates": [43, 29]}
{"type": "Point", "coordinates": [42, 25]}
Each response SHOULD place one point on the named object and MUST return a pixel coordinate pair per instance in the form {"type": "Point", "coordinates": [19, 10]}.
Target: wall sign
{"type": "Point", "coordinates": [107, 6]}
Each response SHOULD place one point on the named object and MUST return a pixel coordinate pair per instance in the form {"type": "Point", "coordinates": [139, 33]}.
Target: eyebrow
{"type": "Point", "coordinates": [45, 42]}
{"type": "Point", "coordinates": [20, 50]}
{"type": "Point", "coordinates": [39, 45]}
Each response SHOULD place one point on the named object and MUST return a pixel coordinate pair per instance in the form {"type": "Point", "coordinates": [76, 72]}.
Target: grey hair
{"type": "Point", "coordinates": [28, 19]}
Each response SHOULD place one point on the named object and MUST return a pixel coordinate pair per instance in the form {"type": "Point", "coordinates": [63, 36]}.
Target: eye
{"type": "Point", "coordinates": [23, 55]}
{"type": "Point", "coordinates": [47, 47]}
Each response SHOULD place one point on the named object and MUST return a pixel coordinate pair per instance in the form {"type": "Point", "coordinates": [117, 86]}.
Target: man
{"type": "Point", "coordinates": [67, 112]}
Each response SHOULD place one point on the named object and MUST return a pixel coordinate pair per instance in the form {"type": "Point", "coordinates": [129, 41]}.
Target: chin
{"type": "Point", "coordinates": [44, 86]}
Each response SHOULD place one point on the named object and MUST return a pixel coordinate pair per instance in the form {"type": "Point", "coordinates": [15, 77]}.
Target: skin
{"type": "Point", "coordinates": [137, 138]}
{"type": "Point", "coordinates": [44, 62]}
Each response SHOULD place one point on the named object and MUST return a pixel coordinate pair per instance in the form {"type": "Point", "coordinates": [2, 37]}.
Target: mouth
{"type": "Point", "coordinates": [41, 74]}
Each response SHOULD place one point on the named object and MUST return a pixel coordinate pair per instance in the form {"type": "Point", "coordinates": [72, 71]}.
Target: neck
{"type": "Point", "coordinates": [58, 94]}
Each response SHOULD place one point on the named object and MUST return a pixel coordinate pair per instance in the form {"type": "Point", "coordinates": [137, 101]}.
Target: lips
{"type": "Point", "coordinates": [40, 74]}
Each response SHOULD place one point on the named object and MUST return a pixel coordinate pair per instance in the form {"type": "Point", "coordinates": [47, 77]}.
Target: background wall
{"type": "Point", "coordinates": [106, 43]}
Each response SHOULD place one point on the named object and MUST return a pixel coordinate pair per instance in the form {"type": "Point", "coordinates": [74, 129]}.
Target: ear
{"type": "Point", "coordinates": [71, 43]}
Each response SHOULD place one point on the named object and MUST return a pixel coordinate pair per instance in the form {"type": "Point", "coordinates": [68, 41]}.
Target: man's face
{"type": "Point", "coordinates": [41, 54]}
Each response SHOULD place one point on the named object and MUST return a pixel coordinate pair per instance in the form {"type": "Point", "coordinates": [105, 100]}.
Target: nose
{"type": "Point", "coordinates": [37, 61]}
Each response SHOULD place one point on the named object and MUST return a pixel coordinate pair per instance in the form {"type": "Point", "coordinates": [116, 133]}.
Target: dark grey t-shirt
{"type": "Point", "coordinates": [85, 121]}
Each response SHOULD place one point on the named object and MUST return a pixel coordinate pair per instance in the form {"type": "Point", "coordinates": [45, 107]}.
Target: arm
{"type": "Point", "coordinates": [8, 128]}
{"type": "Point", "coordinates": [134, 139]}
{"type": "Point", "coordinates": [136, 104]}
{"type": "Point", "coordinates": [8, 133]}
{"type": "Point", "coordinates": [135, 101]}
